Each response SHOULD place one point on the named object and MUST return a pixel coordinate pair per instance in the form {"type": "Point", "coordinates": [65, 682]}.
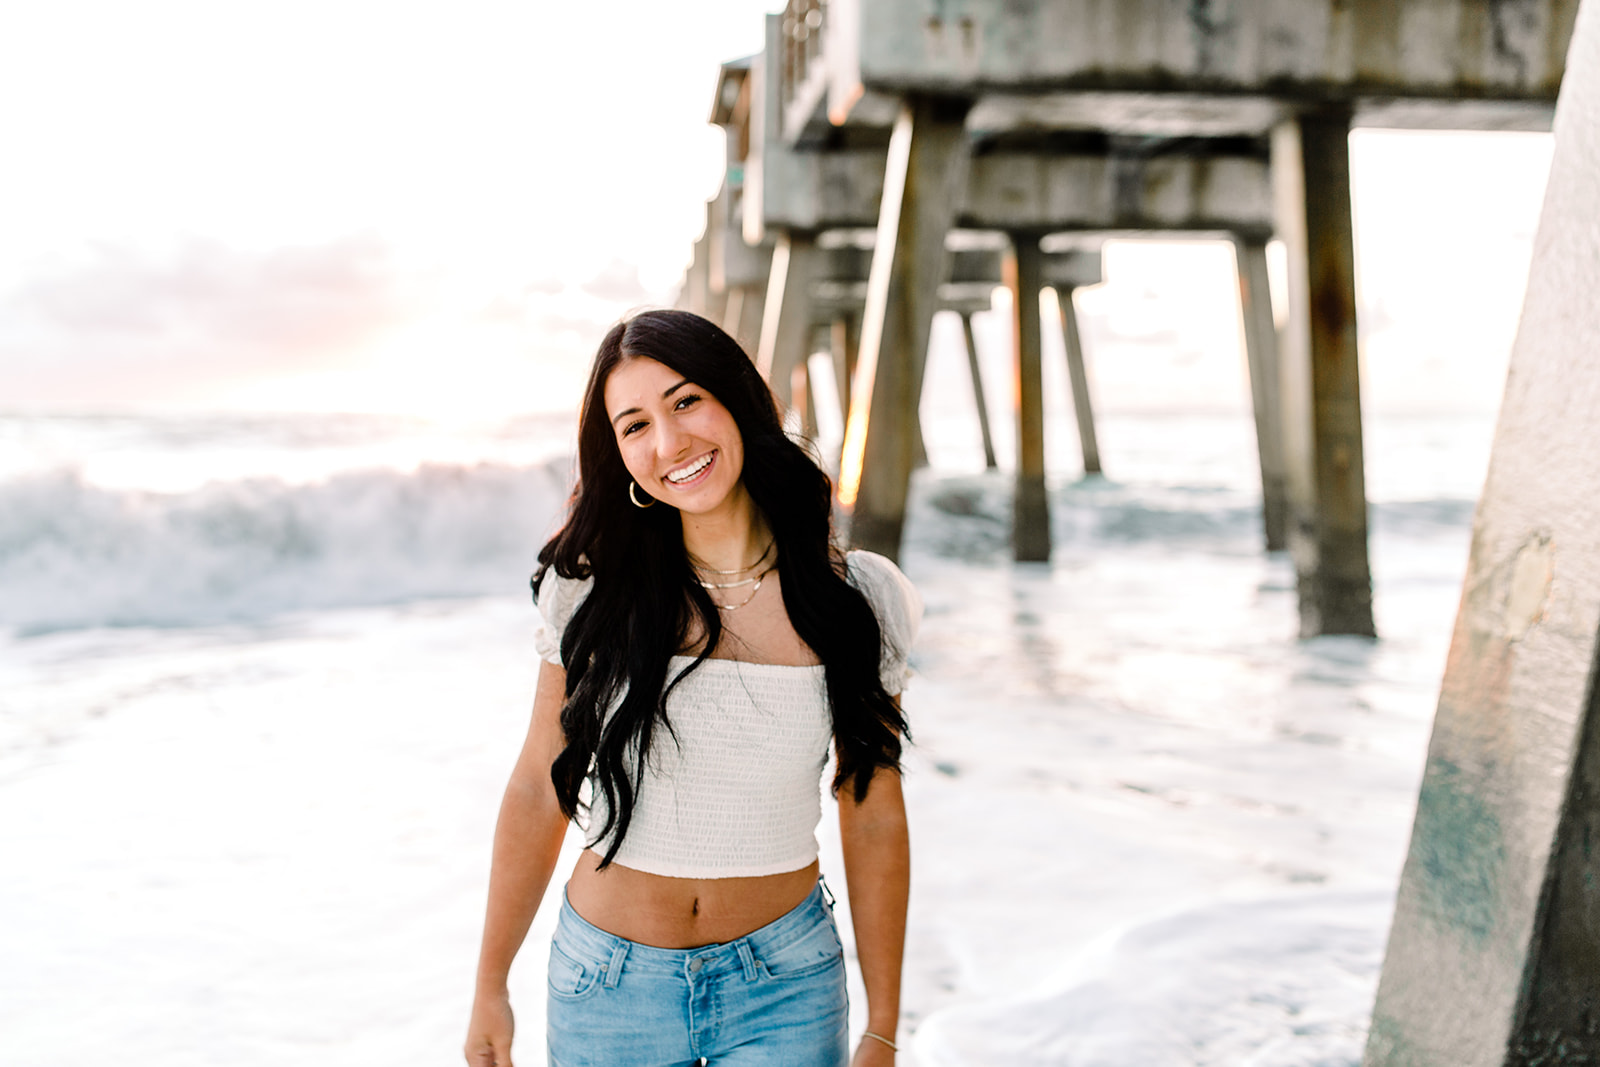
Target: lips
{"type": "Point", "coordinates": [692, 472]}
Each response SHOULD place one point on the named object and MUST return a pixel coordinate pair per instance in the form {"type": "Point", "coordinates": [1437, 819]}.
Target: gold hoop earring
{"type": "Point", "coordinates": [631, 487]}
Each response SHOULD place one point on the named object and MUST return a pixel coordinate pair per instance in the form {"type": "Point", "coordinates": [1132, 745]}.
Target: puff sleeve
{"type": "Point", "coordinates": [556, 598]}
{"type": "Point", "coordinates": [897, 605]}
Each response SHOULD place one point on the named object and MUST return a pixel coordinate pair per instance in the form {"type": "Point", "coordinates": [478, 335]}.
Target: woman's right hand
{"type": "Point", "coordinates": [489, 1033]}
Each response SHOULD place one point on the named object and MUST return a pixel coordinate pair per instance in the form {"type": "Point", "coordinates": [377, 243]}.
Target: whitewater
{"type": "Point", "coordinates": [262, 680]}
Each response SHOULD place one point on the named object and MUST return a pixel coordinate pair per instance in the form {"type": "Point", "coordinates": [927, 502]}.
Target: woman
{"type": "Point", "coordinates": [705, 646]}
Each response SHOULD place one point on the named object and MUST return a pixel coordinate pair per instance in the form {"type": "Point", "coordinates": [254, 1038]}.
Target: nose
{"type": "Point", "coordinates": [671, 441]}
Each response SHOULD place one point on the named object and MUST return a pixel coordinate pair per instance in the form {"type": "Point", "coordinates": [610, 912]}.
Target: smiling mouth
{"type": "Point", "coordinates": [692, 472]}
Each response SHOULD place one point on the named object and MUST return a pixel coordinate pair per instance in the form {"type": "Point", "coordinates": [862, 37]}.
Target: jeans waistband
{"type": "Point", "coordinates": [581, 939]}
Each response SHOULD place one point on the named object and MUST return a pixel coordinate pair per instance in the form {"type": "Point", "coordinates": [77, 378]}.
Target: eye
{"type": "Point", "coordinates": [686, 401]}
{"type": "Point", "coordinates": [632, 426]}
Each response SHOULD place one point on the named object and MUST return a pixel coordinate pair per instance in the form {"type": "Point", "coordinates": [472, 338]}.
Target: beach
{"type": "Point", "coordinates": [255, 729]}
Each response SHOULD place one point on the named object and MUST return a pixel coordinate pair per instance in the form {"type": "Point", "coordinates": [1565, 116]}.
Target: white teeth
{"type": "Point", "coordinates": [690, 471]}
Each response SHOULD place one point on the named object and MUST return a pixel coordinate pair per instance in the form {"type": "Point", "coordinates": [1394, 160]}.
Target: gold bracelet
{"type": "Point", "coordinates": [880, 1037]}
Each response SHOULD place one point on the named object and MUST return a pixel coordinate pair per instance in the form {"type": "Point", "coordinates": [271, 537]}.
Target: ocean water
{"type": "Point", "coordinates": [261, 681]}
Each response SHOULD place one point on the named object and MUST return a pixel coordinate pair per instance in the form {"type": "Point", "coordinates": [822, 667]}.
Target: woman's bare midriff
{"type": "Point", "coordinates": [651, 909]}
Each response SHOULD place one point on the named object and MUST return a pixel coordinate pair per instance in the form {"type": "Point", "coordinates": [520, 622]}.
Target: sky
{"type": "Point", "coordinates": [438, 208]}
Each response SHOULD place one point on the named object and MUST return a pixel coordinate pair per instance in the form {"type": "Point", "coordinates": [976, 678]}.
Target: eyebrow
{"type": "Point", "coordinates": [664, 396]}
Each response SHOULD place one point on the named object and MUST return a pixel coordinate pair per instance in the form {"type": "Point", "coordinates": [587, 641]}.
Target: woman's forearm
{"type": "Point", "coordinates": [527, 836]}
{"type": "Point", "coordinates": [877, 862]}
{"type": "Point", "coordinates": [527, 842]}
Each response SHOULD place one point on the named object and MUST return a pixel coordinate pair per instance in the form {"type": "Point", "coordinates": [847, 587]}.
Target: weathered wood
{"type": "Point", "coordinates": [1321, 381]}
{"type": "Point", "coordinates": [978, 399]}
{"type": "Point", "coordinates": [1078, 379]}
{"type": "Point", "coordinates": [1260, 332]}
{"type": "Point", "coordinates": [1030, 516]}
{"type": "Point", "coordinates": [927, 168]}
{"type": "Point", "coordinates": [786, 319]}
{"type": "Point", "coordinates": [1494, 954]}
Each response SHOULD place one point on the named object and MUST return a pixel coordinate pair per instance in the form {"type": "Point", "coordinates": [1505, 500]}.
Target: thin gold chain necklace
{"type": "Point", "coordinates": [700, 565]}
{"type": "Point", "coordinates": [758, 579]}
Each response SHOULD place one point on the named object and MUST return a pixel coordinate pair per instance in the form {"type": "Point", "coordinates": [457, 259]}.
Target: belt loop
{"type": "Point", "coordinates": [827, 894]}
{"type": "Point", "coordinates": [614, 968]}
{"type": "Point", "coordinates": [746, 957]}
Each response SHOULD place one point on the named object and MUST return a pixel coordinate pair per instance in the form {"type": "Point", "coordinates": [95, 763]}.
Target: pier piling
{"type": "Point", "coordinates": [1494, 954]}
{"type": "Point", "coordinates": [925, 176]}
{"type": "Point", "coordinates": [1321, 382]}
{"type": "Point", "coordinates": [1030, 517]}
{"type": "Point", "coordinates": [787, 315]}
{"type": "Point", "coordinates": [977, 391]}
{"type": "Point", "coordinates": [1078, 380]}
{"type": "Point", "coordinates": [1260, 332]}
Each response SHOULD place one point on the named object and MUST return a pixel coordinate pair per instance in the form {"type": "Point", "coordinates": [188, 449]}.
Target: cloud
{"type": "Point", "coordinates": [550, 309]}
{"type": "Point", "coordinates": [618, 282]}
{"type": "Point", "coordinates": [128, 324]}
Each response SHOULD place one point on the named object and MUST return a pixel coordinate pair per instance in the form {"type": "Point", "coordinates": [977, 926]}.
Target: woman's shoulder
{"type": "Point", "coordinates": [554, 591]}
{"type": "Point", "coordinates": [868, 566]}
{"type": "Point", "coordinates": [898, 607]}
{"type": "Point", "coordinates": [557, 597]}
{"type": "Point", "coordinates": [892, 595]}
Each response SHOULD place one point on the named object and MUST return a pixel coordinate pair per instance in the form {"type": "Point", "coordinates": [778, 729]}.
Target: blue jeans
{"type": "Point", "coordinates": [773, 998]}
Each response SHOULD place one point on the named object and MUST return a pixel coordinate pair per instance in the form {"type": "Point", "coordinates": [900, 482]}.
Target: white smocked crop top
{"type": "Point", "coordinates": [739, 792]}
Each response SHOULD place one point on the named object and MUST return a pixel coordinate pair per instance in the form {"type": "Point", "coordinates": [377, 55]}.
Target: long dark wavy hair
{"type": "Point", "coordinates": [645, 595]}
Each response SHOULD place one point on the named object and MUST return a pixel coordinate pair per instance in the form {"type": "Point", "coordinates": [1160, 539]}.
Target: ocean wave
{"type": "Point", "coordinates": [76, 555]}
{"type": "Point", "coordinates": [969, 517]}
{"type": "Point", "coordinates": [73, 554]}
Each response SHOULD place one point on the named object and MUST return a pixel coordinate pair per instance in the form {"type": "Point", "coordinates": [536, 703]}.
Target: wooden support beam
{"type": "Point", "coordinates": [1078, 377]}
{"type": "Point", "coordinates": [977, 391]}
{"type": "Point", "coordinates": [1321, 381]}
{"type": "Point", "coordinates": [1260, 332]}
{"type": "Point", "coordinates": [1030, 516]}
{"type": "Point", "coordinates": [786, 319]}
{"type": "Point", "coordinates": [925, 175]}
{"type": "Point", "coordinates": [1494, 954]}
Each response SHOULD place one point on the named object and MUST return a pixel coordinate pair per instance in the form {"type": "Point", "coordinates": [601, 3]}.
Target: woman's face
{"type": "Point", "coordinates": [677, 440]}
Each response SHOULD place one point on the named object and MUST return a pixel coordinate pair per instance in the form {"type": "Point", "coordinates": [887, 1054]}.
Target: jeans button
{"type": "Point", "coordinates": [694, 965]}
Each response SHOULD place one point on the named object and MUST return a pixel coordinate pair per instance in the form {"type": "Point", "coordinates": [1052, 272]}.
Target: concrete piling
{"type": "Point", "coordinates": [787, 314]}
{"type": "Point", "coordinates": [925, 175]}
{"type": "Point", "coordinates": [1078, 379]}
{"type": "Point", "coordinates": [1260, 332]}
{"type": "Point", "coordinates": [741, 317]}
{"type": "Point", "coordinates": [1494, 954]}
{"type": "Point", "coordinates": [1321, 381]}
{"type": "Point", "coordinates": [1030, 519]}
{"type": "Point", "coordinates": [977, 391]}
{"type": "Point", "coordinates": [844, 340]}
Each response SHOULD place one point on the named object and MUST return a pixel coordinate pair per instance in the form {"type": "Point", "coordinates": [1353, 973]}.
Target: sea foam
{"type": "Point", "coordinates": [78, 555]}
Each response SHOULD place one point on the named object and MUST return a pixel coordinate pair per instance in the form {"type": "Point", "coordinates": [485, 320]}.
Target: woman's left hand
{"type": "Point", "coordinates": [872, 1053]}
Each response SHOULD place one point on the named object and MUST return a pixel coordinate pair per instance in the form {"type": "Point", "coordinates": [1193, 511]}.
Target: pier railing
{"type": "Point", "coordinates": [803, 77]}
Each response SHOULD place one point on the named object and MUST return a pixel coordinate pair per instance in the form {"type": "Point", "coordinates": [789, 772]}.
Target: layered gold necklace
{"type": "Point", "coordinates": [752, 580]}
